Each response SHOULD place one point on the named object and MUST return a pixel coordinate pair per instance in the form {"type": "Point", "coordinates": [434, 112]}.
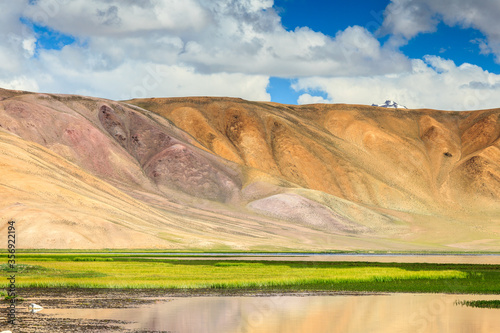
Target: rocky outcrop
{"type": "Point", "coordinates": [390, 104]}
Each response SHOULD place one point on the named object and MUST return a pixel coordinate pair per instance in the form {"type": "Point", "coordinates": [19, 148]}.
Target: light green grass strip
{"type": "Point", "coordinates": [116, 274]}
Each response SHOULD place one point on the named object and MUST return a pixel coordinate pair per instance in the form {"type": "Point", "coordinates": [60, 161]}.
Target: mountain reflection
{"type": "Point", "coordinates": [300, 314]}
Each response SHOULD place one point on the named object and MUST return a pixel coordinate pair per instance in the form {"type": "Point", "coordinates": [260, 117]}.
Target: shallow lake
{"type": "Point", "coordinates": [436, 258]}
{"type": "Point", "coordinates": [488, 259]}
{"type": "Point", "coordinates": [282, 314]}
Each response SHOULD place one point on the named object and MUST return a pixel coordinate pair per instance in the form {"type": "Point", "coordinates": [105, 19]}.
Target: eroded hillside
{"type": "Point", "coordinates": [217, 173]}
{"type": "Point", "coordinates": [412, 160]}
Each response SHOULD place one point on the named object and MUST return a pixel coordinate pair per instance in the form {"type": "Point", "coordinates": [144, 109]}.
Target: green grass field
{"type": "Point", "coordinates": [489, 304]}
{"type": "Point", "coordinates": [121, 271]}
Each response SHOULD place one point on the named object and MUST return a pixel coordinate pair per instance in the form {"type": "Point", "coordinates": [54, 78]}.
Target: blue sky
{"type": "Point", "coordinates": [329, 17]}
{"type": "Point", "coordinates": [47, 38]}
{"type": "Point", "coordinates": [286, 51]}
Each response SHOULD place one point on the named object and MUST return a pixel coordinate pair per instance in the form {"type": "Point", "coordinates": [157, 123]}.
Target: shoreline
{"type": "Point", "coordinates": [78, 292]}
{"type": "Point", "coordinates": [58, 294]}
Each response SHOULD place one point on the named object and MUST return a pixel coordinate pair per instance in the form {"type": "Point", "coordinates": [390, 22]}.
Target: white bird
{"type": "Point", "coordinates": [34, 308]}
{"type": "Point", "coordinates": [6, 332]}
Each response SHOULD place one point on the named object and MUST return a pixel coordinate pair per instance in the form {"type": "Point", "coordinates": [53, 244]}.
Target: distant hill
{"type": "Point", "coordinates": [223, 173]}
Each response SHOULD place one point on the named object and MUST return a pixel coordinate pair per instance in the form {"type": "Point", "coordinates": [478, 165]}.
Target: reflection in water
{"type": "Point", "coordinates": [372, 313]}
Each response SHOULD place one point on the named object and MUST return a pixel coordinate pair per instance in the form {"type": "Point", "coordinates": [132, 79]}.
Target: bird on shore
{"type": "Point", "coordinates": [33, 308]}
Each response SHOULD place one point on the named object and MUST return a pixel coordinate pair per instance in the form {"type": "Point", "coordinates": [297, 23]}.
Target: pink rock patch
{"type": "Point", "coordinates": [182, 168]}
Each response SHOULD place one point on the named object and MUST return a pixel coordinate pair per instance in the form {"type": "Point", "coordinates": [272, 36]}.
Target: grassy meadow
{"type": "Point", "coordinates": [489, 304]}
{"type": "Point", "coordinates": [124, 271]}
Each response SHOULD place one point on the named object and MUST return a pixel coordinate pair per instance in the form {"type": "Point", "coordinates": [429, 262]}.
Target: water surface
{"type": "Point", "coordinates": [304, 314]}
{"type": "Point", "coordinates": [433, 258]}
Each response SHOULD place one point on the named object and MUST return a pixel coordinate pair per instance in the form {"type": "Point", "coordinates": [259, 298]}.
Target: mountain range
{"type": "Point", "coordinates": [229, 174]}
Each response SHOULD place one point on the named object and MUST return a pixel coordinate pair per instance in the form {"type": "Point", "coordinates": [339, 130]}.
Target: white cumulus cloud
{"type": "Point", "coordinates": [404, 19]}
{"type": "Point", "coordinates": [225, 47]}
{"type": "Point", "coordinates": [309, 99]}
{"type": "Point", "coordinates": [432, 83]}
{"type": "Point", "coordinates": [138, 48]}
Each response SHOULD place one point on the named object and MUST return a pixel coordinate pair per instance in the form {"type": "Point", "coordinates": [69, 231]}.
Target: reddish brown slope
{"type": "Point", "coordinates": [119, 144]}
